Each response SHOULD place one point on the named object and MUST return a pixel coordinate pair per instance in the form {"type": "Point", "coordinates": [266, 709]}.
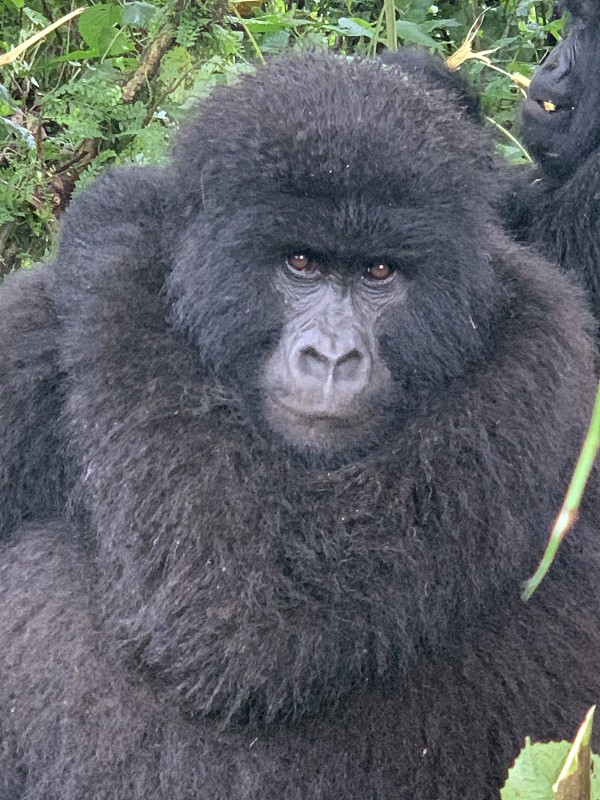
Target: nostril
{"type": "Point", "coordinates": [352, 356]}
{"type": "Point", "coordinates": [313, 364]}
{"type": "Point", "coordinates": [325, 364]}
{"type": "Point", "coordinates": [348, 366]}
{"type": "Point", "coordinates": [312, 353]}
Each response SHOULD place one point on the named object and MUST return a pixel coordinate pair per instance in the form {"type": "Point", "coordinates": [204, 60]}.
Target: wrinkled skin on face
{"type": "Point", "coordinates": [560, 125]}
{"type": "Point", "coordinates": [323, 382]}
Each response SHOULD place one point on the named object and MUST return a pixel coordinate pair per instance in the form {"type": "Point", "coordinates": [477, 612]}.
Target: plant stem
{"type": "Point", "coordinates": [570, 508]}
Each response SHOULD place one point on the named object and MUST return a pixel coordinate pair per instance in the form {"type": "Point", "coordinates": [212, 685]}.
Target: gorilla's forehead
{"type": "Point", "coordinates": [325, 126]}
{"type": "Point", "coordinates": [357, 225]}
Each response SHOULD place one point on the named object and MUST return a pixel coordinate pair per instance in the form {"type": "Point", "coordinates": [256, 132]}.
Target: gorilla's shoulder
{"type": "Point", "coordinates": [115, 233]}
{"type": "Point", "coordinates": [125, 206]}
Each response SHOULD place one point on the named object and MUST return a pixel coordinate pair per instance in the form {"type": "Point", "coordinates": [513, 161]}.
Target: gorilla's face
{"type": "Point", "coordinates": [560, 117]}
{"type": "Point", "coordinates": [335, 319]}
{"type": "Point", "coordinates": [326, 384]}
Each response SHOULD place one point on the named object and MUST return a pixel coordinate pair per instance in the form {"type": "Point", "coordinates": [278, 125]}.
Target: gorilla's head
{"type": "Point", "coordinates": [329, 266]}
{"type": "Point", "coordinates": [560, 117]}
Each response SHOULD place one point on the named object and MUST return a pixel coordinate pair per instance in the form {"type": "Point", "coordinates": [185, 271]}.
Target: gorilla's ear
{"type": "Point", "coordinates": [583, 10]}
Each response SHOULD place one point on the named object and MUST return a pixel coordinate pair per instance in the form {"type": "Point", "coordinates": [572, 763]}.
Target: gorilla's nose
{"type": "Point", "coordinates": [317, 363]}
{"type": "Point", "coordinates": [334, 363]}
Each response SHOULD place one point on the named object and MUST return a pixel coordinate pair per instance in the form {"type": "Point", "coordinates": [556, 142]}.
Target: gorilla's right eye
{"type": "Point", "coordinates": [302, 263]}
{"type": "Point", "coordinates": [380, 271]}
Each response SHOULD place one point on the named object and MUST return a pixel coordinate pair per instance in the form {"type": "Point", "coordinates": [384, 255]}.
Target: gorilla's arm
{"type": "Point", "coordinates": [113, 221]}
{"type": "Point", "coordinates": [31, 471]}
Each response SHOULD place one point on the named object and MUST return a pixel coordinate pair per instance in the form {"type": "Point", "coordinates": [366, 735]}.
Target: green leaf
{"type": "Point", "coordinates": [175, 63]}
{"type": "Point", "coordinates": [6, 98]}
{"type": "Point", "coordinates": [74, 55]}
{"type": "Point", "coordinates": [98, 26]}
{"type": "Point", "coordinates": [22, 132]}
{"type": "Point", "coordinates": [36, 17]}
{"type": "Point", "coordinates": [411, 33]}
{"type": "Point", "coordinates": [275, 42]}
{"type": "Point", "coordinates": [355, 26]}
{"type": "Point", "coordinates": [434, 24]}
{"type": "Point", "coordinates": [535, 771]}
{"type": "Point", "coordinates": [138, 14]}
{"type": "Point", "coordinates": [262, 25]}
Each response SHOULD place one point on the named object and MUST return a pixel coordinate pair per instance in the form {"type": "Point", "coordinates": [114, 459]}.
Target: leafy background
{"type": "Point", "coordinates": [112, 84]}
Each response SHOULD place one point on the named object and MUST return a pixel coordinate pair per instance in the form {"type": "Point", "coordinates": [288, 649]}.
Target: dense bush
{"type": "Point", "coordinates": [110, 85]}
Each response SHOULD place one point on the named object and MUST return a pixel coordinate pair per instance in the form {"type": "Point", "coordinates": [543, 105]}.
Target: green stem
{"type": "Point", "coordinates": [509, 135]}
{"type": "Point", "coordinates": [248, 33]}
{"type": "Point", "coordinates": [389, 7]}
{"type": "Point", "coordinates": [570, 508]}
{"type": "Point", "coordinates": [376, 32]}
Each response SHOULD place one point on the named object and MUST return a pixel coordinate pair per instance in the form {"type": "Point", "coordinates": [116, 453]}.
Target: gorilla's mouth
{"type": "Point", "coordinates": [317, 428]}
{"type": "Point", "coordinates": [542, 108]}
{"type": "Point", "coordinates": [317, 416]}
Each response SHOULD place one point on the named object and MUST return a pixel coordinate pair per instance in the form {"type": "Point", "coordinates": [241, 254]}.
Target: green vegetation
{"type": "Point", "coordinates": [110, 85]}
{"type": "Point", "coordinates": [556, 770]}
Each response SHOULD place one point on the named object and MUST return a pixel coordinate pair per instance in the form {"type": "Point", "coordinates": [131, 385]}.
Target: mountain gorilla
{"type": "Point", "coordinates": [283, 429]}
{"type": "Point", "coordinates": [557, 206]}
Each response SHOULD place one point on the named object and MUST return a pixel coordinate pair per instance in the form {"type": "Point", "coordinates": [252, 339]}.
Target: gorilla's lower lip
{"type": "Point", "coordinates": [343, 420]}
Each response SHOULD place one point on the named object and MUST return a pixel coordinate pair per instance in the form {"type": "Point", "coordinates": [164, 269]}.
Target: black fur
{"type": "Point", "coordinates": [190, 609]}
{"type": "Point", "coordinates": [418, 62]}
{"type": "Point", "coordinates": [556, 206]}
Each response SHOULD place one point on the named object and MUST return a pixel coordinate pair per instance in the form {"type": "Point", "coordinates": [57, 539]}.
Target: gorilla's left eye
{"type": "Point", "coordinates": [380, 271]}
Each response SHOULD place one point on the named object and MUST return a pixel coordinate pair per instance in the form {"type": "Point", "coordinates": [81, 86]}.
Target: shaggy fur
{"type": "Point", "coordinates": [190, 608]}
{"type": "Point", "coordinates": [556, 206]}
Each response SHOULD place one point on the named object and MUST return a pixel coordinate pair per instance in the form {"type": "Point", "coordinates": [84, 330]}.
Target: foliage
{"type": "Point", "coordinates": [111, 85]}
{"type": "Point", "coordinates": [556, 770]}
